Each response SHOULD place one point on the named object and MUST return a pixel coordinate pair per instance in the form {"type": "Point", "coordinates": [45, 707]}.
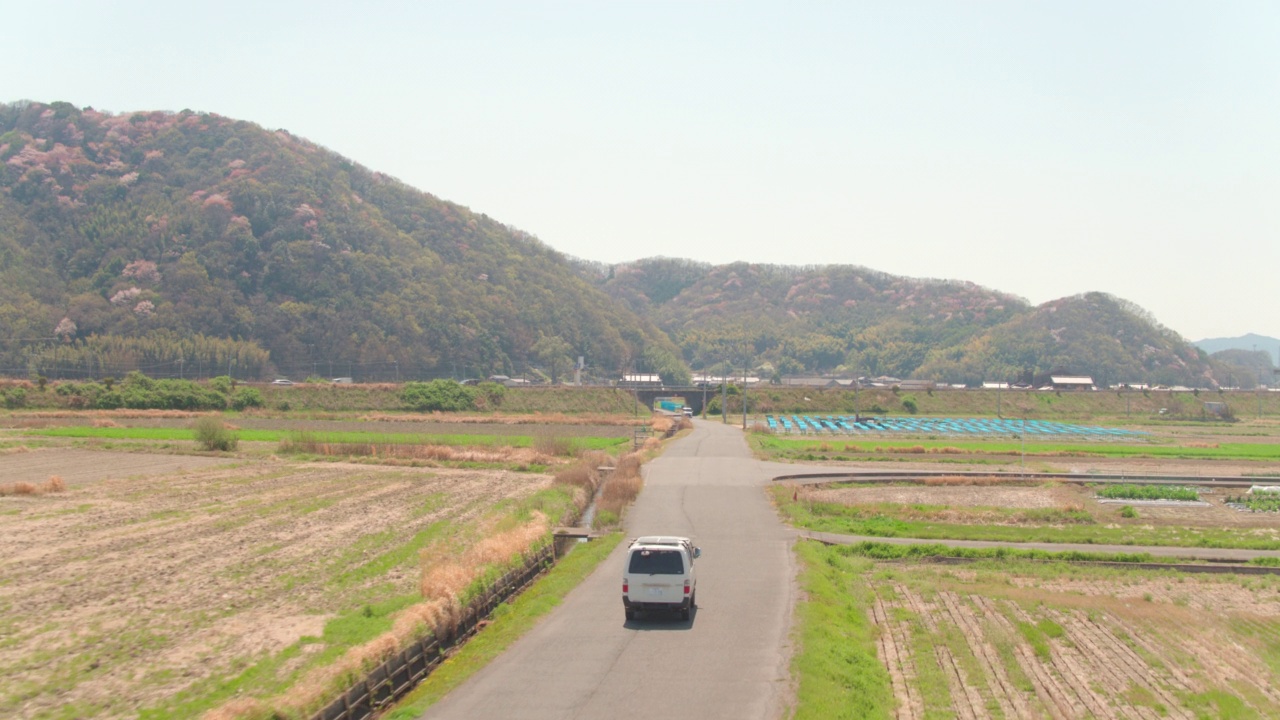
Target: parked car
{"type": "Point", "coordinates": [281, 381]}
{"type": "Point", "coordinates": [660, 577]}
{"type": "Point", "coordinates": [341, 380]}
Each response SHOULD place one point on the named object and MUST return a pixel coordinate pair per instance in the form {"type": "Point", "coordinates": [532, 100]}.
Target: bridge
{"type": "Point", "coordinates": [692, 395]}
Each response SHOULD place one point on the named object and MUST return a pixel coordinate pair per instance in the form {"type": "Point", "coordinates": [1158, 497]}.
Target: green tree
{"type": "Point", "coordinates": [553, 352]}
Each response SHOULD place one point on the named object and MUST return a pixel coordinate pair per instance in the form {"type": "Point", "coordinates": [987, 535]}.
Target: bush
{"type": "Point", "coordinates": [139, 392]}
{"type": "Point", "coordinates": [1128, 512]}
{"type": "Point", "coordinates": [445, 395]}
{"type": "Point", "coordinates": [909, 404]}
{"type": "Point", "coordinates": [15, 398]}
{"type": "Point", "coordinates": [212, 434]}
{"type": "Point", "coordinates": [246, 397]}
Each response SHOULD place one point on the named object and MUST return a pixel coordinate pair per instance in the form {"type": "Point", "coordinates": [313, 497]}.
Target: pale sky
{"type": "Point", "coordinates": [1042, 149]}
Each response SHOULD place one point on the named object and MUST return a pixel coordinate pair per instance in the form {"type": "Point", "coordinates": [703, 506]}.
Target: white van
{"type": "Point", "coordinates": [660, 577]}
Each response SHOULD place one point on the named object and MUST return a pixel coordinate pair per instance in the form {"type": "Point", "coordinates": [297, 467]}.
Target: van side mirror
{"type": "Point", "coordinates": [697, 552]}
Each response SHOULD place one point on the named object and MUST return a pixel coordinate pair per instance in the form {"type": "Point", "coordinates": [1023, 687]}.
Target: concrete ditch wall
{"type": "Point", "coordinates": [403, 671]}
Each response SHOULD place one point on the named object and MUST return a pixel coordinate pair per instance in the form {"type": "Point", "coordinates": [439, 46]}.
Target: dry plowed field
{"type": "Point", "coordinates": [983, 644]}
{"type": "Point", "coordinates": [152, 574]}
{"type": "Point", "coordinates": [78, 467]}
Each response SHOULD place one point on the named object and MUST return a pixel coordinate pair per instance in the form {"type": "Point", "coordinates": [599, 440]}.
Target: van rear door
{"type": "Point", "coordinates": [657, 576]}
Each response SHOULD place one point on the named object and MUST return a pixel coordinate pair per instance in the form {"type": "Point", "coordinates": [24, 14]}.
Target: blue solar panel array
{"type": "Point", "coordinates": [848, 425]}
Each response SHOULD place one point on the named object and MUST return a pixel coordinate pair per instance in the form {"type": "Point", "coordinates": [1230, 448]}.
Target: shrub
{"type": "Point", "coordinates": [15, 398]}
{"type": "Point", "coordinates": [444, 395]}
{"type": "Point", "coordinates": [909, 404]}
{"type": "Point", "coordinates": [54, 484]}
{"type": "Point", "coordinates": [490, 395]}
{"type": "Point", "coordinates": [1128, 512]}
{"type": "Point", "coordinates": [212, 434]}
{"type": "Point", "coordinates": [246, 397]}
{"type": "Point", "coordinates": [551, 444]}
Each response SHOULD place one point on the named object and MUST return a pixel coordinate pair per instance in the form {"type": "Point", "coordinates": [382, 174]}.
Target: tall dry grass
{"type": "Point", "coordinates": [55, 484]}
{"type": "Point", "coordinates": [621, 487]}
{"type": "Point", "coordinates": [548, 442]}
{"type": "Point", "coordinates": [446, 576]}
{"type": "Point", "coordinates": [585, 476]}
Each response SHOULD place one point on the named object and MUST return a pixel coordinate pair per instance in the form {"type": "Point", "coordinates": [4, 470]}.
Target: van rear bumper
{"type": "Point", "coordinates": [655, 606]}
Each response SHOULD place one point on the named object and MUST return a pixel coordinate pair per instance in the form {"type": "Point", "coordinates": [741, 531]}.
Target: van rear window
{"type": "Point", "coordinates": [656, 562]}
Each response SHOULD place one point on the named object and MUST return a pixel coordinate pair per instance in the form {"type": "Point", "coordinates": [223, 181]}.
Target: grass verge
{"type": "Point", "coordinates": [839, 675]}
{"type": "Point", "coordinates": [510, 621]}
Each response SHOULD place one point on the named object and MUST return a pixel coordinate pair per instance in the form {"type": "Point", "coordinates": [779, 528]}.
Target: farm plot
{"type": "Point", "coordinates": [999, 508]}
{"type": "Point", "coordinates": [78, 467]}
{"type": "Point", "coordinates": [1008, 644]}
{"type": "Point", "coordinates": [150, 593]}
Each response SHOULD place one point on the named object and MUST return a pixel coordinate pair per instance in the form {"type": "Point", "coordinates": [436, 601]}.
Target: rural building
{"type": "Point", "coordinates": [1071, 382]}
{"type": "Point", "coordinates": [817, 382]}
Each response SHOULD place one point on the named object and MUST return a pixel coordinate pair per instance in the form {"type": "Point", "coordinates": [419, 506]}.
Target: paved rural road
{"type": "Point", "coordinates": [729, 661]}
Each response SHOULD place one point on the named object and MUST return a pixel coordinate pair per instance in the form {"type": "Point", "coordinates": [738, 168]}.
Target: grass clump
{"type": "Point", "coordinates": [55, 484]}
{"type": "Point", "coordinates": [212, 434]}
{"type": "Point", "coordinates": [1269, 502]}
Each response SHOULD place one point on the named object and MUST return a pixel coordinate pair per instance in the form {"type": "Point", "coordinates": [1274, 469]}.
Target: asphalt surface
{"type": "Point", "coordinates": [729, 661]}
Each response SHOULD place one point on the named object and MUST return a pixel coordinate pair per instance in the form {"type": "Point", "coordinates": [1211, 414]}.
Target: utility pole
{"type": "Point", "coordinates": [1024, 444]}
{"type": "Point", "coordinates": [724, 395]}
{"type": "Point", "coordinates": [704, 394]}
{"type": "Point", "coordinates": [744, 396]}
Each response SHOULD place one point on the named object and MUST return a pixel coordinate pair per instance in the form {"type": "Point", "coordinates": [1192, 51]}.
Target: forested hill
{"type": "Point", "coordinates": [792, 320]}
{"type": "Point", "coordinates": [157, 240]}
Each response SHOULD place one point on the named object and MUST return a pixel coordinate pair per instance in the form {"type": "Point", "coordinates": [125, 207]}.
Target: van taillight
{"type": "Point", "coordinates": [624, 585]}
{"type": "Point", "coordinates": [686, 587]}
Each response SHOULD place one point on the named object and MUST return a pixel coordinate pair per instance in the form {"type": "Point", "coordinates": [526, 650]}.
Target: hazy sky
{"type": "Point", "coordinates": [1043, 149]}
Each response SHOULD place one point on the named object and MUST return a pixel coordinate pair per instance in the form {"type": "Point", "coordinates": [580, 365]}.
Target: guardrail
{"type": "Point", "coordinates": [402, 672]}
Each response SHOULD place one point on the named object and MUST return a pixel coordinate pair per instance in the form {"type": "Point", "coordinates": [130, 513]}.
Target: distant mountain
{"type": "Point", "coordinates": [805, 319]}
{"type": "Point", "coordinates": [852, 320]}
{"type": "Point", "coordinates": [1095, 334]}
{"type": "Point", "coordinates": [1252, 341]}
{"type": "Point", "coordinates": [181, 242]}
{"type": "Point", "coordinates": [193, 244]}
